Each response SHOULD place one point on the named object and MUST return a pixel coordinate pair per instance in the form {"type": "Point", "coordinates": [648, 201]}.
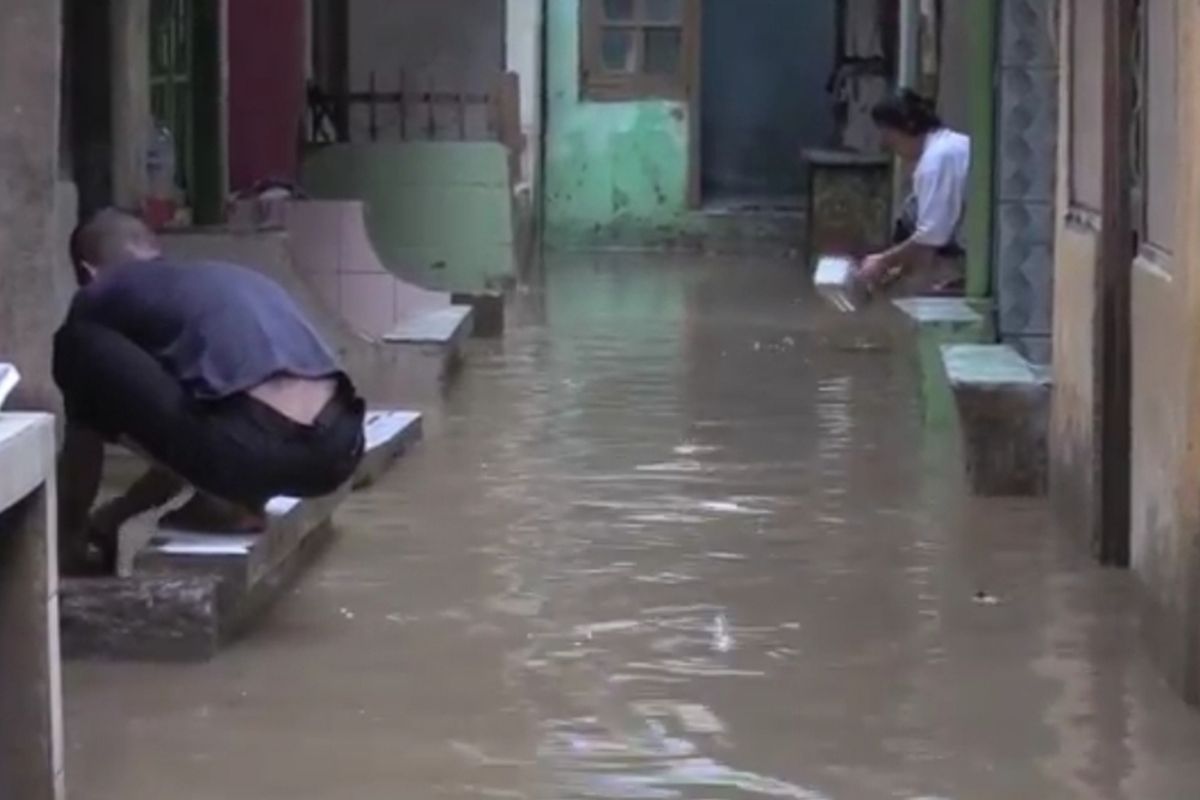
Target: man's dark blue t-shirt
{"type": "Point", "coordinates": [218, 328]}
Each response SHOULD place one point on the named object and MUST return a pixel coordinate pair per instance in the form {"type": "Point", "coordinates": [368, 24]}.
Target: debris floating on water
{"type": "Point", "coordinates": [985, 599]}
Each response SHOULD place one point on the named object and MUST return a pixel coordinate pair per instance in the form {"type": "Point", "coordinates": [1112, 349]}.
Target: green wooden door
{"type": "Point", "coordinates": [185, 96]}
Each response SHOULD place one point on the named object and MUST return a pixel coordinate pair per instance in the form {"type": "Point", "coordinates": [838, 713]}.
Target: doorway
{"type": "Point", "coordinates": [86, 139]}
{"type": "Point", "coordinates": [185, 96]}
{"type": "Point", "coordinates": [764, 69]}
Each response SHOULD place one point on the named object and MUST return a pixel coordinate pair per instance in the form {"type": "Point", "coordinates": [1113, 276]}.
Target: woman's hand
{"type": "Point", "coordinates": [874, 270]}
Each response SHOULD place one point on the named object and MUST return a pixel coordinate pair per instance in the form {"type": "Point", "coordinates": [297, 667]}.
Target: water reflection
{"type": "Point", "coordinates": [674, 538]}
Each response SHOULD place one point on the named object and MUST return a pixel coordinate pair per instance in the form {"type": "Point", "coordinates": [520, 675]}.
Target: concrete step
{"type": "Point", "coordinates": [490, 311]}
{"type": "Point", "coordinates": [435, 340]}
{"type": "Point", "coordinates": [188, 593]}
{"type": "Point", "coordinates": [30, 684]}
{"type": "Point", "coordinates": [144, 618]}
{"type": "Point", "coordinates": [446, 327]}
{"type": "Point", "coordinates": [389, 434]}
{"type": "Point", "coordinates": [935, 322]}
{"type": "Point", "coordinates": [1003, 405]}
{"type": "Point", "coordinates": [241, 562]}
{"type": "Point", "coordinates": [951, 313]}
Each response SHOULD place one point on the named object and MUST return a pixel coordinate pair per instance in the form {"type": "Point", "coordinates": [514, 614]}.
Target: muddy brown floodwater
{"type": "Point", "coordinates": [682, 535]}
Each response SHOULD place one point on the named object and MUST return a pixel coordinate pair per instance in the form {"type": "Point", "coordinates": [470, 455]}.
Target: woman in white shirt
{"type": "Point", "coordinates": [927, 255]}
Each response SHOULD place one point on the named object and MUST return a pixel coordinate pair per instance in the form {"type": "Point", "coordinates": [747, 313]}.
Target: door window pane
{"type": "Point", "coordinates": [616, 49]}
{"type": "Point", "coordinates": [635, 49]}
{"type": "Point", "coordinates": [664, 47]}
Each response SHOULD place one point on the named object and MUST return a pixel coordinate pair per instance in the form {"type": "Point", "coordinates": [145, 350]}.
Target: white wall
{"type": "Point", "coordinates": [448, 45]}
{"type": "Point", "coordinates": [451, 44]}
{"type": "Point", "coordinates": [524, 57]}
{"type": "Point", "coordinates": [954, 70]}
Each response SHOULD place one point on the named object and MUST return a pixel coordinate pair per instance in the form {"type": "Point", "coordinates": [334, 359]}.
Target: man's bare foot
{"type": "Point", "coordinates": [207, 514]}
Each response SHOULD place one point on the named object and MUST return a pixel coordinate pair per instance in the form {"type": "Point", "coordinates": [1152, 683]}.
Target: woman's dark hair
{"type": "Point", "coordinates": [907, 112]}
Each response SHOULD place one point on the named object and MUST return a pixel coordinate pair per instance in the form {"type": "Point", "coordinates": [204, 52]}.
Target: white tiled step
{"type": "Point", "coordinates": [445, 326]}
{"type": "Point", "coordinates": [240, 561]}
{"type": "Point", "coordinates": [244, 560]}
{"type": "Point", "coordinates": [389, 434]}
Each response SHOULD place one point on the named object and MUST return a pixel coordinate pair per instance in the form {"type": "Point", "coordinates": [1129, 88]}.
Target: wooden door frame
{"type": "Point", "coordinates": [201, 161]}
{"type": "Point", "coordinates": [695, 93]}
{"type": "Point", "coordinates": [1113, 293]}
{"type": "Point", "coordinates": [208, 156]}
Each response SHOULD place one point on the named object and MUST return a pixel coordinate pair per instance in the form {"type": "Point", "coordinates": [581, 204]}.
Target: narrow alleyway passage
{"type": "Point", "coordinates": [681, 536]}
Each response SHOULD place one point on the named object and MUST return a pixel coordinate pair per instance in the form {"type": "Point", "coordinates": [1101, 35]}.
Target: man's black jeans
{"type": "Point", "coordinates": [237, 449]}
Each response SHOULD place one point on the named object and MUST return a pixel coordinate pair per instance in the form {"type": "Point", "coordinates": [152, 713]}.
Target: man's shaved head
{"type": "Point", "coordinates": [108, 238]}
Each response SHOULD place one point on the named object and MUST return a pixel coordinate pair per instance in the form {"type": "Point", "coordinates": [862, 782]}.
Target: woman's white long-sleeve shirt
{"type": "Point", "coordinates": [940, 188]}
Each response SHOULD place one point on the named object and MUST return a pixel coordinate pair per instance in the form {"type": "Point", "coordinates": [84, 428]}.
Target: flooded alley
{"type": "Point", "coordinates": [681, 535]}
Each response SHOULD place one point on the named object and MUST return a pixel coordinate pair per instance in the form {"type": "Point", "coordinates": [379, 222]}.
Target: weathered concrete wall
{"type": "Point", "coordinates": [954, 70]}
{"type": "Point", "coordinates": [447, 44]}
{"type": "Point", "coordinates": [266, 89]}
{"type": "Point", "coordinates": [1158, 548]}
{"type": "Point", "coordinates": [615, 172]}
{"type": "Point", "coordinates": [1165, 449]}
{"type": "Point", "coordinates": [30, 37]}
{"type": "Point", "coordinates": [440, 213]}
{"type": "Point", "coordinates": [1073, 448]}
{"type": "Point", "coordinates": [131, 98]}
{"type": "Point", "coordinates": [454, 42]}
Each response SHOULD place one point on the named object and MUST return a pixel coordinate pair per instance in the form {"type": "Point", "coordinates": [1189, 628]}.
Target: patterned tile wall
{"type": "Point", "coordinates": [1026, 142]}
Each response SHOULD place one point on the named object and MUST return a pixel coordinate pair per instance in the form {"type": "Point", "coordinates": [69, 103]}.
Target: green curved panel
{"type": "Point", "coordinates": [438, 213]}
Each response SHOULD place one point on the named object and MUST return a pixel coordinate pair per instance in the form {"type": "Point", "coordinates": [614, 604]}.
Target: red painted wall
{"type": "Point", "coordinates": [266, 89]}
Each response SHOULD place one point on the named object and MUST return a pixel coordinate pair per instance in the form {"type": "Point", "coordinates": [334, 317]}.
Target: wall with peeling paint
{"type": "Point", "coordinates": [616, 173]}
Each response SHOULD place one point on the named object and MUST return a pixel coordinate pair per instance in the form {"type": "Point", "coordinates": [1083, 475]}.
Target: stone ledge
{"type": "Point", "coordinates": [389, 436]}
{"type": "Point", "coordinates": [158, 618]}
{"type": "Point", "coordinates": [30, 673]}
{"type": "Point", "coordinates": [941, 311]}
{"type": "Point", "coordinates": [990, 366]}
{"type": "Point", "coordinates": [168, 618]}
{"type": "Point", "coordinates": [446, 327]}
{"type": "Point", "coordinates": [940, 321]}
{"type": "Point", "coordinates": [435, 341]}
{"type": "Point", "coordinates": [27, 455]}
{"type": "Point", "coordinates": [489, 312]}
{"type": "Point", "coordinates": [1003, 405]}
{"type": "Point", "coordinates": [241, 562]}
{"type": "Point", "coordinates": [189, 593]}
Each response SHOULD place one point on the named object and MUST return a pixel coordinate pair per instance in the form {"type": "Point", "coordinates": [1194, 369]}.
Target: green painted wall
{"type": "Point", "coordinates": [440, 214]}
{"type": "Point", "coordinates": [616, 173]}
{"type": "Point", "coordinates": [981, 81]}
{"type": "Point", "coordinates": [939, 409]}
